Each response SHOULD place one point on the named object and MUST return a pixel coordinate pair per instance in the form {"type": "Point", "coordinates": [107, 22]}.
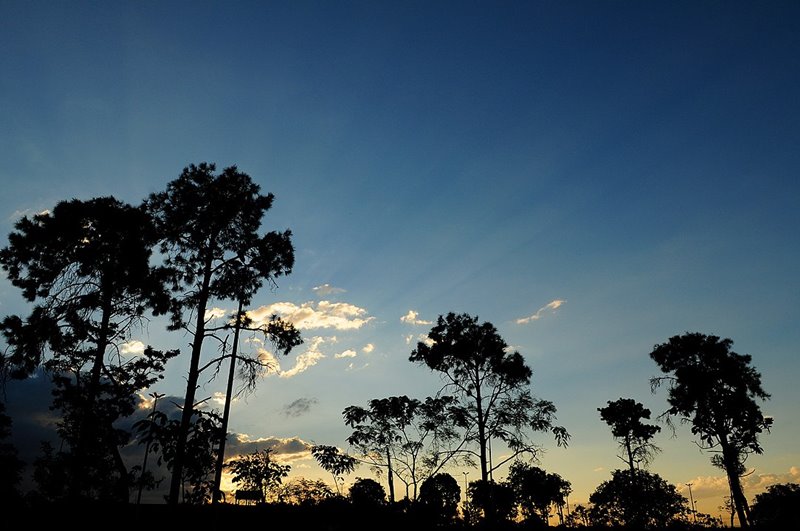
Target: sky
{"type": "Point", "coordinates": [590, 177]}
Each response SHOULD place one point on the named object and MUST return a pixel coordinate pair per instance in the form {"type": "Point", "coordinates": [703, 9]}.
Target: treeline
{"type": "Point", "coordinates": [94, 271]}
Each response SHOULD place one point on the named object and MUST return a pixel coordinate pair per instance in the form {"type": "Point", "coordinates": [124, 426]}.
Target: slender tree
{"type": "Point", "coordinates": [715, 390]}
{"type": "Point", "coordinates": [409, 438]}
{"type": "Point", "coordinates": [259, 471]}
{"type": "Point", "coordinates": [85, 265]}
{"type": "Point", "coordinates": [334, 461]}
{"type": "Point", "coordinates": [209, 226]}
{"type": "Point", "coordinates": [624, 416]}
{"type": "Point", "coordinates": [491, 385]}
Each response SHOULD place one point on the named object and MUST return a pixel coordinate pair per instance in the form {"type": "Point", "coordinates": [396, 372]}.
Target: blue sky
{"type": "Point", "coordinates": [637, 161]}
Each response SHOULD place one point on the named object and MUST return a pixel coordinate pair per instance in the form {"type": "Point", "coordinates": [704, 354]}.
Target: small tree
{"type": "Point", "coordinates": [624, 416]}
{"type": "Point", "coordinates": [638, 499]}
{"type": "Point", "coordinates": [491, 385]}
{"type": "Point", "coordinates": [495, 501]}
{"type": "Point", "coordinates": [439, 496]}
{"type": "Point", "coordinates": [409, 438]}
{"type": "Point", "coordinates": [334, 461]}
{"type": "Point", "coordinates": [536, 491]}
{"type": "Point", "coordinates": [367, 492]}
{"type": "Point", "coordinates": [777, 508]}
{"type": "Point", "coordinates": [302, 491]}
{"type": "Point", "coordinates": [162, 434]}
{"type": "Point", "coordinates": [716, 391]}
{"type": "Point", "coordinates": [257, 471]}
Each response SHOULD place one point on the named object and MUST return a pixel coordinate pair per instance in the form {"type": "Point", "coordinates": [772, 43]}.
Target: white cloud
{"type": "Point", "coordinates": [326, 290]}
{"type": "Point", "coordinates": [214, 313]}
{"type": "Point", "coordinates": [132, 347]}
{"type": "Point", "coordinates": [412, 318]}
{"type": "Point", "coordinates": [369, 347]}
{"type": "Point", "coordinates": [302, 363]}
{"type": "Point", "coordinates": [349, 353]}
{"type": "Point", "coordinates": [717, 486]}
{"type": "Point", "coordinates": [284, 449]}
{"type": "Point", "coordinates": [219, 398]}
{"type": "Point", "coordinates": [422, 338]}
{"type": "Point", "coordinates": [552, 306]}
{"type": "Point", "coordinates": [311, 315]}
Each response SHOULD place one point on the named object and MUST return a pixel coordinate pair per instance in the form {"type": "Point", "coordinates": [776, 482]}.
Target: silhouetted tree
{"type": "Point", "coordinates": [303, 491]}
{"type": "Point", "coordinates": [439, 496]}
{"type": "Point", "coordinates": [258, 471]}
{"type": "Point", "coordinates": [715, 389]}
{"type": "Point", "coordinates": [637, 499]}
{"type": "Point", "coordinates": [578, 517]}
{"type": "Point", "coordinates": [624, 416]}
{"type": "Point", "coordinates": [212, 251]}
{"type": "Point", "coordinates": [86, 267]}
{"type": "Point", "coordinates": [334, 461]}
{"type": "Point", "coordinates": [367, 492]}
{"type": "Point", "coordinates": [536, 490]}
{"type": "Point", "coordinates": [491, 385]}
{"type": "Point", "coordinates": [409, 438]}
{"type": "Point", "coordinates": [162, 434]}
{"type": "Point", "coordinates": [777, 508]}
{"type": "Point", "coordinates": [495, 501]}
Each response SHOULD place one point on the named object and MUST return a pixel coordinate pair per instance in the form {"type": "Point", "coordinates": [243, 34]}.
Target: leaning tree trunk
{"type": "Point", "coordinates": [191, 388]}
{"type": "Point", "coordinates": [227, 410]}
{"type": "Point", "coordinates": [730, 459]}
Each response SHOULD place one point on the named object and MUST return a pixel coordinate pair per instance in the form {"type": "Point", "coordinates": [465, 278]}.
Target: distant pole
{"type": "Point", "coordinates": [155, 396]}
{"type": "Point", "coordinates": [691, 501]}
{"type": "Point", "coordinates": [465, 484]}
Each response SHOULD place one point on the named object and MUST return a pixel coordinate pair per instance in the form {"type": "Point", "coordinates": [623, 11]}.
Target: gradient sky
{"type": "Point", "coordinates": [616, 172]}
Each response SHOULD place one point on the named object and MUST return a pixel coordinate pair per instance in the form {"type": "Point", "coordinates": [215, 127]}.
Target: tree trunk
{"type": "Point", "coordinates": [80, 464]}
{"type": "Point", "coordinates": [630, 453]}
{"type": "Point", "coordinates": [227, 410]}
{"type": "Point", "coordinates": [482, 439]}
{"type": "Point", "coordinates": [191, 388]}
{"type": "Point", "coordinates": [390, 476]}
{"type": "Point", "coordinates": [730, 459]}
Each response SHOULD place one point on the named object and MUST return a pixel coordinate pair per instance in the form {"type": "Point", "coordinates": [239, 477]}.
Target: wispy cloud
{"type": "Point", "coordinates": [422, 338]}
{"type": "Point", "coordinates": [550, 307]}
{"type": "Point", "coordinates": [369, 347]}
{"type": "Point", "coordinates": [299, 407]}
{"type": "Point", "coordinates": [326, 290]}
{"type": "Point", "coordinates": [349, 353]}
{"type": "Point", "coordinates": [302, 363]}
{"type": "Point", "coordinates": [412, 318]}
{"type": "Point", "coordinates": [134, 347]}
{"type": "Point", "coordinates": [311, 315]}
{"type": "Point", "coordinates": [215, 313]}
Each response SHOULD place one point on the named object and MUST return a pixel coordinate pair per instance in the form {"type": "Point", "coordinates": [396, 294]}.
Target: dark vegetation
{"type": "Point", "coordinates": [94, 271]}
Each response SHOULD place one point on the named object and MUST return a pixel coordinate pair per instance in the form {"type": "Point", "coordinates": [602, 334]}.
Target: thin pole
{"type": "Point", "coordinates": [691, 501]}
